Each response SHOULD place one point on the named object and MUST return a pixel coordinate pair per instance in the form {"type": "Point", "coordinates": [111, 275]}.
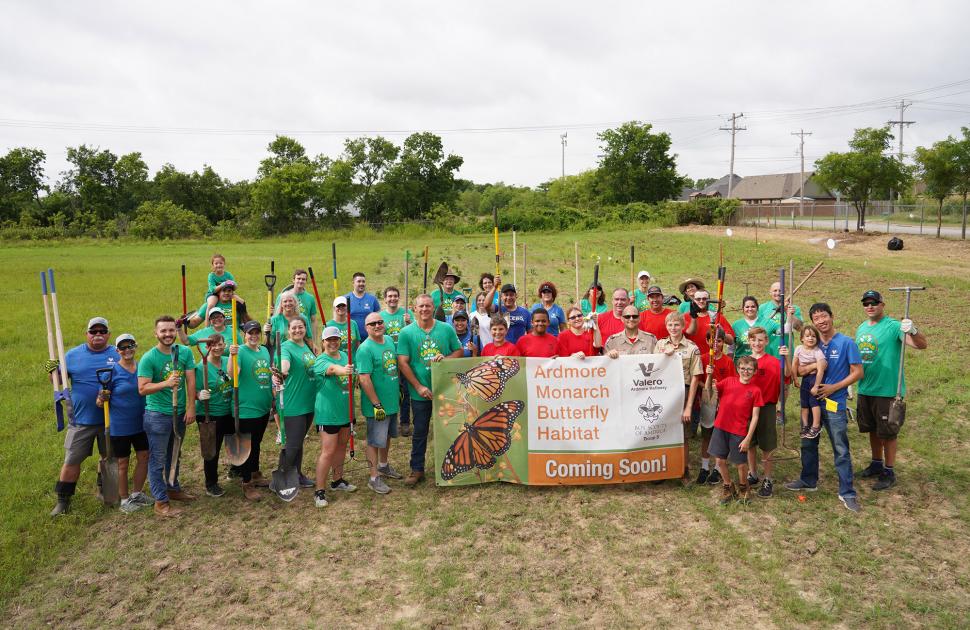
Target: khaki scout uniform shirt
{"type": "Point", "coordinates": [644, 343]}
{"type": "Point", "coordinates": [689, 355]}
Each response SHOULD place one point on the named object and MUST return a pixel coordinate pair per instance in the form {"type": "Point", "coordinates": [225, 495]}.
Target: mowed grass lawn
{"type": "Point", "coordinates": [495, 555]}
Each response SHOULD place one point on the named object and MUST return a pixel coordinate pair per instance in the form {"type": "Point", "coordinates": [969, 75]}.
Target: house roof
{"type": "Point", "coordinates": [718, 188]}
{"type": "Point", "coordinates": [778, 186]}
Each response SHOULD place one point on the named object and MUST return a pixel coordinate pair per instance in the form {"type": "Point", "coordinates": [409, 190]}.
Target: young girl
{"type": "Point", "coordinates": [217, 276]}
{"type": "Point", "coordinates": [809, 362]}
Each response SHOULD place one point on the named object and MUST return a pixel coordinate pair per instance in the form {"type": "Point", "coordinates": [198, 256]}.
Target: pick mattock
{"type": "Point", "coordinates": [108, 465]}
{"type": "Point", "coordinates": [897, 408]}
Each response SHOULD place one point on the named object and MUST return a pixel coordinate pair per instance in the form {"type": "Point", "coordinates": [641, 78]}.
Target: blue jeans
{"type": "Point", "coordinates": [404, 416]}
{"type": "Point", "coordinates": [421, 418]}
{"type": "Point", "coordinates": [837, 426]}
{"type": "Point", "coordinates": [158, 427]}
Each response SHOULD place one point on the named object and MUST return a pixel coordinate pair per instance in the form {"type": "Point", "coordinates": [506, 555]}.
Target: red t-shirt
{"type": "Point", "coordinates": [569, 344]}
{"type": "Point", "coordinates": [507, 349]}
{"type": "Point", "coordinates": [609, 324]}
{"type": "Point", "coordinates": [724, 368]}
{"type": "Point", "coordinates": [735, 402]}
{"type": "Point", "coordinates": [768, 378]}
{"type": "Point", "coordinates": [655, 324]}
{"type": "Point", "coordinates": [700, 335]}
{"type": "Point", "coordinates": [537, 345]}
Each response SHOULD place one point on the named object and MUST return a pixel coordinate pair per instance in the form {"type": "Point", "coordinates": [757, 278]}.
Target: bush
{"type": "Point", "coordinates": [166, 220]}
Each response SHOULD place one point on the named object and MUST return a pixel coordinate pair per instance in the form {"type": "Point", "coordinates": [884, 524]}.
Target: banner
{"type": "Point", "coordinates": [558, 421]}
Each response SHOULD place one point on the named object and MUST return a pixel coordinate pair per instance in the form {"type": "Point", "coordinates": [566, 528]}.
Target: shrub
{"type": "Point", "coordinates": [166, 220]}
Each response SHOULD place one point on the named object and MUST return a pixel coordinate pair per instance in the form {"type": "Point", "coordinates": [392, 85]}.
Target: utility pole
{"type": "Point", "coordinates": [734, 129]}
{"type": "Point", "coordinates": [902, 125]}
{"type": "Point", "coordinates": [801, 133]}
{"type": "Point", "coordinates": [562, 138]}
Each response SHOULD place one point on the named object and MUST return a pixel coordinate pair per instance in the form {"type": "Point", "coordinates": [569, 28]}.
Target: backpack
{"type": "Point", "coordinates": [895, 244]}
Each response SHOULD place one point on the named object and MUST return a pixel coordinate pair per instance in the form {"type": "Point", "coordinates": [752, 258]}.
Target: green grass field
{"type": "Point", "coordinates": [499, 554]}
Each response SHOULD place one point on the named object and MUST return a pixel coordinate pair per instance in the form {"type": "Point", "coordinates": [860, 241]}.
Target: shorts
{"type": "Point", "coordinates": [331, 429]}
{"type": "Point", "coordinates": [378, 432]}
{"type": "Point", "coordinates": [726, 445]}
{"type": "Point", "coordinates": [872, 413]}
{"type": "Point", "coordinates": [808, 401]}
{"type": "Point", "coordinates": [79, 442]}
{"type": "Point", "coordinates": [122, 445]}
{"type": "Point", "coordinates": [765, 434]}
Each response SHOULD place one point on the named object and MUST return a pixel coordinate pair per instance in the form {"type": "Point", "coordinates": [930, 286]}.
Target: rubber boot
{"type": "Point", "coordinates": [64, 490]}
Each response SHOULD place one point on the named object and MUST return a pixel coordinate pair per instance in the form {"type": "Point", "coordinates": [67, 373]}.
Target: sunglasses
{"type": "Point", "coordinates": [572, 317]}
{"type": "Point", "coordinates": [869, 304]}
{"type": "Point", "coordinates": [379, 322]}
{"type": "Point", "coordinates": [127, 346]}
{"type": "Point", "coordinates": [631, 317]}
{"type": "Point", "coordinates": [98, 331]}
{"type": "Point", "coordinates": [341, 306]}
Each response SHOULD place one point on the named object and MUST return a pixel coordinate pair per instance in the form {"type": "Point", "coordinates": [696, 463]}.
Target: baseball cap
{"type": "Point", "coordinates": [216, 311]}
{"type": "Point", "coordinates": [643, 273]}
{"type": "Point", "coordinates": [330, 331]}
{"type": "Point", "coordinates": [459, 298]}
{"type": "Point", "coordinates": [95, 321]}
{"type": "Point", "coordinates": [250, 325]}
{"type": "Point", "coordinates": [339, 300]}
{"type": "Point", "coordinates": [508, 288]}
{"type": "Point", "coordinates": [228, 284]}
{"type": "Point", "coordinates": [654, 289]}
{"type": "Point", "coordinates": [125, 337]}
{"type": "Point", "coordinates": [868, 295]}
{"type": "Point", "coordinates": [459, 315]}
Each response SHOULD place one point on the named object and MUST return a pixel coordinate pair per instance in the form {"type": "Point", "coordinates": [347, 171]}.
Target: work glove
{"type": "Point", "coordinates": [181, 321]}
{"type": "Point", "coordinates": [52, 365]}
{"type": "Point", "coordinates": [694, 309]}
{"type": "Point", "coordinates": [204, 394]}
{"type": "Point", "coordinates": [379, 413]}
{"type": "Point", "coordinates": [908, 327]}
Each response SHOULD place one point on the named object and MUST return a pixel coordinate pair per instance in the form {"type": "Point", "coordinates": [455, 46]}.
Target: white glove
{"type": "Point", "coordinates": [907, 326]}
{"type": "Point", "coordinates": [204, 394]}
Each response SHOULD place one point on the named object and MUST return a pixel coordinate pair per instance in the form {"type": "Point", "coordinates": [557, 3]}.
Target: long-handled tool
{"type": "Point", "coordinates": [286, 479]}
{"type": "Point", "coordinates": [316, 293]}
{"type": "Point", "coordinates": [576, 263]}
{"type": "Point", "coordinates": [425, 287]}
{"type": "Point", "coordinates": [185, 303]}
{"type": "Point", "coordinates": [525, 273]}
{"type": "Point", "coordinates": [439, 278]}
{"type": "Point", "coordinates": [791, 296]}
{"type": "Point", "coordinates": [52, 358]}
{"type": "Point", "coordinates": [592, 311]}
{"type": "Point", "coordinates": [238, 445]}
{"type": "Point", "coordinates": [64, 395]}
{"type": "Point", "coordinates": [176, 434]}
{"type": "Point", "coordinates": [207, 428]}
{"type": "Point", "coordinates": [336, 289]}
{"type": "Point", "coordinates": [897, 408]}
{"type": "Point", "coordinates": [633, 281]}
{"type": "Point", "coordinates": [709, 397]}
{"type": "Point", "coordinates": [407, 277]}
{"type": "Point", "coordinates": [498, 271]}
{"type": "Point", "coordinates": [108, 465]}
{"type": "Point", "coordinates": [270, 280]}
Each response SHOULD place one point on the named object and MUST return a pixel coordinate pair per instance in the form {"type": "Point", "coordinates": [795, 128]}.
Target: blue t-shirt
{"type": "Point", "coordinates": [127, 406]}
{"type": "Point", "coordinates": [520, 322]}
{"type": "Point", "coordinates": [82, 366]}
{"type": "Point", "coordinates": [556, 317]}
{"type": "Point", "coordinates": [464, 339]}
{"type": "Point", "coordinates": [840, 353]}
{"type": "Point", "coordinates": [360, 308]}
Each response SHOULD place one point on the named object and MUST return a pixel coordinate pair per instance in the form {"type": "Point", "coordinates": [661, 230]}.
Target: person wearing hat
{"type": "Point", "coordinates": [296, 370]}
{"type": "Point", "coordinates": [306, 303]}
{"type": "Point", "coordinates": [380, 400]}
{"type": "Point", "coordinates": [457, 305]}
{"type": "Point", "coordinates": [880, 339]}
{"type": "Point", "coordinates": [227, 294]}
{"type": "Point", "coordinates": [654, 319]}
{"type": "Point", "coordinates": [361, 303]}
{"type": "Point", "coordinates": [331, 414]}
{"type": "Point", "coordinates": [87, 425]}
{"type": "Point", "coordinates": [770, 311]}
{"type": "Point", "coordinates": [518, 318]}
{"type": "Point", "coordinates": [340, 322]}
{"type": "Point", "coordinates": [547, 300]}
{"type": "Point", "coordinates": [156, 381]}
{"type": "Point", "coordinates": [459, 321]}
{"type": "Point", "coordinates": [255, 402]}
{"type": "Point", "coordinates": [217, 324]}
{"type": "Point", "coordinates": [640, 294]}
{"type": "Point", "coordinates": [687, 288]}
{"type": "Point", "coordinates": [127, 430]}
{"type": "Point", "coordinates": [446, 296]}
{"type": "Point", "coordinates": [289, 310]}
{"type": "Point", "coordinates": [219, 397]}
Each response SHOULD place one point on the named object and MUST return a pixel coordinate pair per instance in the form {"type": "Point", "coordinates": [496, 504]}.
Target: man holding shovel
{"type": "Point", "coordinates": [376, 362]}
{"type": "Point", "coordinates": [88, 425]}
{"type": "Point", "coordinates": [880, 339]}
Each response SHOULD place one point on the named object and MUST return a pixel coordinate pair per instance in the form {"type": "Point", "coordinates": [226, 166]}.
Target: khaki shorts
{"type": "Point", "coordinates": [765, 434]}
{"type": "Point", "coordinates": [872, 414]}
{"type": "Point", "coordinates": [79, 442]}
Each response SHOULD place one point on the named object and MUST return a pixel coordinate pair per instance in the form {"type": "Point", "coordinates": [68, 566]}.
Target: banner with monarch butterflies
{"type": "Point", "coordinates": [558, 421]}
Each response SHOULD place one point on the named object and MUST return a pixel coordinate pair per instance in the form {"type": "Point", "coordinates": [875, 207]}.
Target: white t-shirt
{"type": "Point", "coordinates": [484, 326]}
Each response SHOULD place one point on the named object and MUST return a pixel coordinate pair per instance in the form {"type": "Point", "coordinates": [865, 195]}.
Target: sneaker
{"type": "Point", "coordinates": [728, 493]}
{"type": "Point", "coordinates": [851, 504]}
{"type": "Point", "coordinates": [714, 478]}
{"type": "Point", "coordinates": [874, 469]}
{"type": "Point", "coordinates": [343, 485]}
{"type": "Point", "coordinates": [320, 499]}
{"type": "Point", "coordinates": [752, 480]}
{"type": "Point", "coordinates": [377, 485]}
{"type": "Point", "coordinates": [405, 430]}
{"type": "Point", "coordinates": [142, 499]}
{"type": "Point", "coordinates": [804, 431]}
{"type": "Point", "coordinates": [128, 506]}
{"type": "Point", "coordinates": [800, 486]}
{"type": "Point", "coordinates": [306, 482]}
{"type": "Point", "coordinates": [744, 493]}
{"type": "Point", "coordinates": [279, 437]}
{"type": "Point", "coordinates": [389, 472]}
{"type": "Point", "coordinates": [766, 489]}
{"type": "Point", "coordinates": [886, 480]}
{"type": "Point", "coordinates": [215, 490]}
{"type": "Point", "coordinates": [414, 478]}
{"type": "Point", "coordinates": [702, 477]}
{"type": "Point", "coordinates": [813, 432]}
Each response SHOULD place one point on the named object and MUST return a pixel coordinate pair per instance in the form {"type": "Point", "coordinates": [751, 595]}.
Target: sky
{"type": "Point", "coordinates": [196, 83]}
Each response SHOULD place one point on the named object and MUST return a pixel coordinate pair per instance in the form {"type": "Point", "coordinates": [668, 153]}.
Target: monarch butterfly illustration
{"type": "Point", "coordinates": [483, 440]}
{"type": "Point", "coordinates": [487, 380]}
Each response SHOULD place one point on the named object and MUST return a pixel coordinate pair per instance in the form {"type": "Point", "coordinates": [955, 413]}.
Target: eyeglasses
{"type": "Point", "coordinates": [127, 346]}
{"type": "Point", "coordinates": [746, 369]}
{"type": "Point", "coordinates": [572, 317]}
{"type": "Point", "coordinates": [379, 322]}
{"type": "Point", "coordinates": [631, 317]}
{"type": "Point", "coordinates": [98, 331]}
{"type": "Point", "coordinates": [701, 299]}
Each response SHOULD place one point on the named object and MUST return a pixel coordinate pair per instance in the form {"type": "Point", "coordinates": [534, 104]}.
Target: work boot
{"type": "Point", "coordinates": [180, 495]}
{"type": "Point", "coordinates": [259, 480]}
{"type": "Point", "coordinates": [165, 510]}
{"type": "Point", "coordinates": [728, 493]}
{"type": "Point", "coordinates": [414, 478]}
{"type": "Point", "coordinates": [250, 492]}
{"type": "Point", "coordinates": [744, 493]}
{"type": "Point", "coordinates": [64, 490]}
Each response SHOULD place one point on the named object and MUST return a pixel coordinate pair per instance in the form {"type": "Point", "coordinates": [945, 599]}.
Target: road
{"type": "Point", "coordinates": [872, 225]}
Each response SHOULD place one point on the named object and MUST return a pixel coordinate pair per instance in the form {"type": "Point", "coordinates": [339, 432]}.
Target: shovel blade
{"type": "Point", "coordinates": [897, 415]}
{"type": "Point", "coordinates": [238, 446]}
{"type": "Point", "coordinates": [286, 480]}
{"type": "Point", "coordinates": [207, 439]}
{"type": "Point", "coordinates": [176, 455]}
{"type": "Point", "coordinates": [108, 468]}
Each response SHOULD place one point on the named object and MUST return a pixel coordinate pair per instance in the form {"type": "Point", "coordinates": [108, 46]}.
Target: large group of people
{"type": "Point", "coordinates": [734, 373]}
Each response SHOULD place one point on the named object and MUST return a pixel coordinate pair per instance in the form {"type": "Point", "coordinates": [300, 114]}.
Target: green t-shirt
{"type": "Point", "coordinates": [880, 345]}
{"type": "Point", "coordinates": [301, 388]}
{"type": "Point", "coordinates": [741, 346]}
{"type": "Point", "coordinates": [343, 333]}
{"type": "Point", "coordinates": [157, 366]}
{"type": "Point", "coordinates": [767, 312]}
{"type": "Point", "coordinates": [380, 361]}
{"type": "Point", "coordinates": [220, 386]}
{"type": "Point", "coordinates": [394, 323]}
{"type": "Point", "coordinates": [584, 305]}
{"type": "Point", "coordinates": [215, 280]}
{"type": "Point", "coordinates": [305, 302]}
{"type": "Point", "coordinates": [331, 406]}
{"type": "Point", "coordinates": [226, 308]}
{"type": "Point", "coordinates": [685, 306]}
{"type": "Point", "coordinates": [640, 300]}
{"type": "Point", "coordinates": [198, 337]}
{"type": "Point", "coordinates": [445, 300]}
{"type": "Point", "coordinates": [420, 347]}
{"type": "Point", "coordinates": [281, 325]}
{"type": "Point", "coordinates": [255, 382]}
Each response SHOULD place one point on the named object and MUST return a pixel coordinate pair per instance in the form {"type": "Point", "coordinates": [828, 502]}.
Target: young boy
{"type": "Point", "coordinates": [723, 366]}
{"type": "Point", "coordinates": [735, 426]}
{"type": "Point", "coordinates": [499, 346]}
{"type": "Point", "coordinates": [768, 379]}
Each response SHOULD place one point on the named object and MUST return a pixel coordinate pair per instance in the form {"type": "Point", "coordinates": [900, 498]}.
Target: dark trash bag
{"type": "Point", "coordinates": [895, 244]}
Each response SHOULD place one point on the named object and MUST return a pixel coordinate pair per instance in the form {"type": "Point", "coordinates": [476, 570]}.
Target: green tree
{"type": "Point", "coordinates": [283, 151]}
{"type": "Point", "coordinates": [370, 159]}
{"type": "Point", "coordinates": [133, 185]}
{"type": "Point", "coordinates": [21, 182]}
{"type": "Point", "coordinates": [204, 193]}
{"type": "Point", "coordinates": [166, 220]}
{"type": "Point", "coordinates": [579, 191]}
{"type": "Point", "coordinates": [637, 165]}
{"type": "Point", "coordinates": [336, 189]}
{"type": "Point", "coordinates": [962, 186]}
{"type": "Point", "coordinates": [91, 183]}
{"type": "Point", "coordinates": [422, 177]}
{"type": "Point", "coordinates": [702, 183]}
{"type": "Point", "coordinates": [937, 167]}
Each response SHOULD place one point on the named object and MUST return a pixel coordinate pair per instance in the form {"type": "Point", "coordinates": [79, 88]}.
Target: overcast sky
{"type": "Point", "coordinates": [195, 83]}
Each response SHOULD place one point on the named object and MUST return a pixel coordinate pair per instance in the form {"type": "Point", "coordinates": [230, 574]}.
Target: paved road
{"type": "Point", "coordinates": [872, 225]}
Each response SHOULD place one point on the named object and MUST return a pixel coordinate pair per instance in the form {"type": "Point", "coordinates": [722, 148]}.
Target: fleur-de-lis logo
{"type": "Point", "coordinates": [650, 411]}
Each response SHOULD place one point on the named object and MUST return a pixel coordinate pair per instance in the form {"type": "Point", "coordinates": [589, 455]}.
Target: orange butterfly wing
{"type": "Point", "coordinates": [487, 380]}
{"type": "Point", "coordinates": [482, 441]}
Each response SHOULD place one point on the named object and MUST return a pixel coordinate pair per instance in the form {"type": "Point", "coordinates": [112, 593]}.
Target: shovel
{"type": "Point", "coordinates": [176, 436]}
{"type": "Point", "coordinates": [897, 408]}
{"type": "Point", "coordinates": [108, 466]}
{"type": "Point", "coordinates": [207, 428]}
{"type": "Point", "coordinates": [286, 479]}
{"type": "Point", "coordinates": [439, 277]}
{"type": "Point", "coordinates": [238, 445]}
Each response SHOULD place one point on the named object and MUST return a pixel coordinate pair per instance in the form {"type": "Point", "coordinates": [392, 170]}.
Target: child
{"type": "Point", "coordinates": [217, 276]}
{"type": "Point", "coordinates": [499, 346]}
{"type": "Point", "coordinates": [810, 361]}
{"type": "Point", "coordinates": [723, 366]}
{"type": "Point", "coordinates": [676, 343]}
{"type": "Point", "coordinates": [735, 426]}
{"type": "Point", "coordinates": [768, 380]}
